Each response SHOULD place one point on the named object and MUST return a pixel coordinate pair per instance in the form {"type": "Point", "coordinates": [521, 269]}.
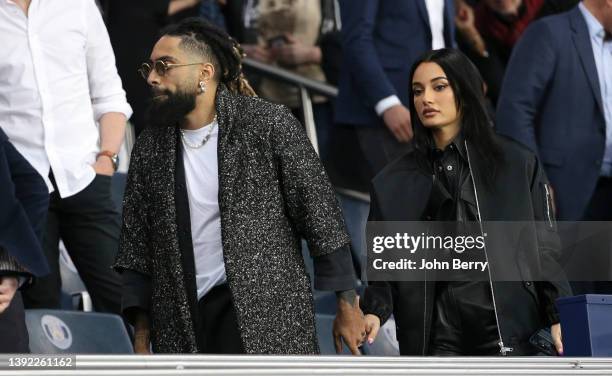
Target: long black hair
{"type": "Point", "coordinates": [468, 88]}
{"type": "Point", "coordinates": [223, 51]}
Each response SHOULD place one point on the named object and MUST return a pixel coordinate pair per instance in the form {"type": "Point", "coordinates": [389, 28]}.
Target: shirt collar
{"type": "Point", "coordinates": [457, 144]}
{"type": "Point", "coordinates": [596, 29]}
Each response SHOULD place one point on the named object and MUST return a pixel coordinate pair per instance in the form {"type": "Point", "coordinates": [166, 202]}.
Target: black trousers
{"type": "Point", "coordinates": [218, 331]}
{"type": "Point", "coordinates": [89, 225]}
{"type": "Point", "coordinates": [379, 146]}
{"type": "Point", "coordinates": [464, 320]}
{"type": "Point", "coordinates": [13, 331]}
{"type": "Point", "coordinates": [358, 153]}
{"type": "Point", "coordinates": [599, 209]}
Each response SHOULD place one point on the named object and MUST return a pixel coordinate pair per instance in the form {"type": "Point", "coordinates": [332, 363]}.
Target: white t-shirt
{"type": "Point", "coordinates": [202, 178]}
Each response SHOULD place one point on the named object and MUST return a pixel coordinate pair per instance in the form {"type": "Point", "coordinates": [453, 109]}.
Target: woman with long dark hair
{"type": "Point", "coordinates": [460, 170]}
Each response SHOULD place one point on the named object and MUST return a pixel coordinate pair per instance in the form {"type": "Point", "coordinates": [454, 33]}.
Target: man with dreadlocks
{"type": "Point", "coordinates": [221, 189]}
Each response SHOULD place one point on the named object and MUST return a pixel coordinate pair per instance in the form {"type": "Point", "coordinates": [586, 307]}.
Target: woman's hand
{"type": "Point", "coordinates": [555, 332]}
{"type": "Point", "coordinates": [372, 327]}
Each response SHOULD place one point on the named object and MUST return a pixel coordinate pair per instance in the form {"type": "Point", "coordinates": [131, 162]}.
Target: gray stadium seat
{"type": "Point", "coordinates": [73, 332]}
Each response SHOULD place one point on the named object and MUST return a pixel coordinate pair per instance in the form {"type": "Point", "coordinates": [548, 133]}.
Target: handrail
{"type": "Point", "coordinates": [280, 74]}
{"type": "Point", "coordinates": [305, 86]}
{"type": "Point", "coordinates": [307, 365]}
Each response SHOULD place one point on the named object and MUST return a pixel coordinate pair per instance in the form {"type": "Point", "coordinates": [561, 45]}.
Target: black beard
{"type": "Point", "coordinates": [171, 111]}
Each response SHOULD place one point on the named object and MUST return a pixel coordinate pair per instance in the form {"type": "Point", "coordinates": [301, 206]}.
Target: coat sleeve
{"type": "Point", "coordinates": [309, 197]}
{"type": "Point", "coordinates": [378, 299]}
{"type": "Point", "coordinates": [552, 283]}
{"type": "Point", "coordinates": [358, 24]}
{"type": "Point", "coordinates": [24, 200]}
{"type": "Point", "coordinates": [134, 240]}
{"type": "Point", "coordinates": [529, 72]}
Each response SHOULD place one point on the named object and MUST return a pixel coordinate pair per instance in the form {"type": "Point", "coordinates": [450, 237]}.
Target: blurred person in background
{"type": "Point", "coordinates": [302, 36]}
{"type": "Point", "coordinates": [24, 200]}
{"type": "Point", "coordinates": [63, 108]}
{"type": "Point", "coordinates": [380, 41]}
{"type": "Point", "coordinates": [133, 27]}
{"type": "Point", "coordinates": [557, 100]}
{"type": "Point", "coordinates": [487, 30]}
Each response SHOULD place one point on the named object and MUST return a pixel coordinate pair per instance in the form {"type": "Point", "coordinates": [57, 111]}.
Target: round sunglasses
{"type": "Point", "coordinates": [161, 68]}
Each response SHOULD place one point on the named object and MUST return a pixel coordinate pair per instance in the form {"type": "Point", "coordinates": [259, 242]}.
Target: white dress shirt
{"type": "Point", "coordinates": [202, 179]}
{"type": "Point", "coordinates": [435, 13]}
{"type": "Point", "coordinates": [602, 52]}
{"type": "Point", "coordinates": [57, 78]}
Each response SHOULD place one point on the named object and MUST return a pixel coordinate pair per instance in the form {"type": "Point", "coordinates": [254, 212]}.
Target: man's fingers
{"type": "Point", "coordinates": [398, 132]}
{"type": "Point", "coordinates": [337, 343]}
{"type": "Point", "coordinates": [407, 128]}
{"type": "Point", "coordinates": [354, 349]}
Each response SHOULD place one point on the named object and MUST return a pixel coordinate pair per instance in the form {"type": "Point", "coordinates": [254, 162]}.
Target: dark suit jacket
{"type": "Point", "coordinates": [24, 200]}
{"type": "Point", "coordinates": [381, 41]}
{"type": "Point", "coordinates": [551, 102]}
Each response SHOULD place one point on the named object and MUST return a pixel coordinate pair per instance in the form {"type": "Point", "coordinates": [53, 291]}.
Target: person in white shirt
{"type": "Point", "coordinates": [380, 42]}
{"type": "Point", "coordinates": [63, 107]}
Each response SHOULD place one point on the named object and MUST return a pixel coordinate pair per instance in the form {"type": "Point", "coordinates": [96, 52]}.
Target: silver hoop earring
{"type": "Point", "coordinates": [202, 87]}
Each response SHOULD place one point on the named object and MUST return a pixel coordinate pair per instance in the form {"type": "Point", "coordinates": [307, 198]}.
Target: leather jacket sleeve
{"type": "Point", "coordinates": [552, 283]}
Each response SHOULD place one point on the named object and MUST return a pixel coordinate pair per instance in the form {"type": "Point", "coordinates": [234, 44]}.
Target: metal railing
{"type": "Point", "coordinates": [306, 87]}
{"type": "Point", "coordinates": [318, 365]}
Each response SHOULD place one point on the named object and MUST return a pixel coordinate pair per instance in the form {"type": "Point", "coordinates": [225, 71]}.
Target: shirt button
{"type": "Point", "coordinates": [439, 168]}
{"type": "Point", "coordinates": [449, 168]}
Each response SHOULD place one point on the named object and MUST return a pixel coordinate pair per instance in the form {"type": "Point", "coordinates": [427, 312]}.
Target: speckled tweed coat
{"type": "Point", "coordinates": [272, 191]}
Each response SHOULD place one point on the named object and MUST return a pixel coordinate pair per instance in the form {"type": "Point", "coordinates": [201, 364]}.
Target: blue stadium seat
{"type": "Point", "coordinates": [73, 332]}
{"type": "Point", "coordinates": [74, 294]}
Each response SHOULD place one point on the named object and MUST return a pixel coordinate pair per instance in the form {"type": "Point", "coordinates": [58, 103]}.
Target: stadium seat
{"type": "Point", "coordinates": [73, 332]}
{"type": "Point", "coordinates": [74, 293]}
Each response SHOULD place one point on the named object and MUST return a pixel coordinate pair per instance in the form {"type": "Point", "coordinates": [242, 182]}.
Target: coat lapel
{"type": "Point", "coordinates": [424, 15]}
{"type": "Point", "coordinates": [582, 42]}
{"type": "Point", "coordinates": [228, 149]}
{"type": "Point", "coordinates": [185, 240]}
{"type": "Point", "coordinates": [178, 230]}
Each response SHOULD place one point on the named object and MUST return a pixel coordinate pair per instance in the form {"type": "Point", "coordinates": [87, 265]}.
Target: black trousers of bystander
{"type": "Point", "coordinates": [89, 225]}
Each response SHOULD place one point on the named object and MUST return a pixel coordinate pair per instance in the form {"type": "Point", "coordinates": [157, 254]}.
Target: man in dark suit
{"type": "Point", "coordinates": [381, 40]}
{"type": "Point", "coordinates": [132, 45]}
{"type": "Point", "coordinates": [557, 100]}
{"type": "Point", "coordinates": [24, 200]}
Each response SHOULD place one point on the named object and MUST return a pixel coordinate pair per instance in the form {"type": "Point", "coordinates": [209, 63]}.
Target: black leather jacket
{"type": "Point", "coordinates": [402, 192]}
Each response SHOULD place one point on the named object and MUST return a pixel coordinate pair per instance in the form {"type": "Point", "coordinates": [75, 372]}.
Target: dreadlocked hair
{"type": "Point", "coordinates": [224, 52]}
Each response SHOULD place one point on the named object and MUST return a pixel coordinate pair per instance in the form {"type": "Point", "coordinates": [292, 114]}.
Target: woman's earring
{"type": "Point", "coordinates": [202, 87]}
